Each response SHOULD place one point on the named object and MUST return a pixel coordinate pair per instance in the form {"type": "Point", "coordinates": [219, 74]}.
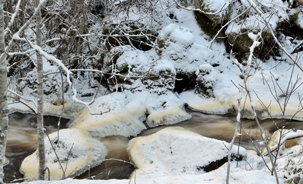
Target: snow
{"type": "Point", "coordinates": [77, 152]}
{"type": "Point", "coordinates": [172, 151]}
{"type": "Point", "coordinates": [117, 116]}
{"type": "Point", "coordinates": [289, 161]}
{"type": "Point", "coordinates": [175, 157]}
{"type": "Point", "coordinates": [181, 47]}
{"type": "Point", "coordinates": [123, 113]}
{"type": "Point", "coordinates": [215, 177]}
{"type": "Point", "coordinates": [71, 108]}
{"type": "Point", "coordinates": [288, 139]}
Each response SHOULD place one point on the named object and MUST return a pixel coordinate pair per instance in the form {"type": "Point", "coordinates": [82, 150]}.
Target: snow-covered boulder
{"type": "Point", "coordinates": [168, 109]}
{"type": "Point", "coordinates": [176, 44]}
{"type": "Point", "coordinates": [123, 113]}
{"type": "Point", "coordinates": [206, 78]}
{"type": "Point", "coordinates": [290, 137]}
{"type": "Point", "coordinates": [76, 150]}
{"type": "Point", "coordinates": [174, 151]}
{"type": "Point", "coordinates": [212, 6]}
{"type": "Point", "coordinates": [275, 13]}
{"type": "Point", "coordinates": [137, 70]}
{"type": "Point", "coordinates": [289, 161]}
{"type": "Point", "coordinates": [114, 114]}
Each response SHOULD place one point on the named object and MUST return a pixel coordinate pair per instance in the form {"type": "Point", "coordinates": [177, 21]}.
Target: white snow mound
{"type": "Point", "coordinates": [174, 151]}
{"type": "Point", "coordinates": [118, 116]}
{"type": "Point", "coordinates": [77, 152]}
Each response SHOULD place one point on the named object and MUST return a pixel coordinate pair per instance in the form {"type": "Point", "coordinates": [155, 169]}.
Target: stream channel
{"type": "Point", "coordinates": [22, 141]}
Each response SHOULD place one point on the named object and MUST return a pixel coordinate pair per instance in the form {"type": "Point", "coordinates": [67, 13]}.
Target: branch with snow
{"type": "Point", "coordinates": [287, 137]}
{"type": "Point", "coordinates": [20, 96]}
{"type": "Point", "coordinates": [16, 36]}
{"type": "Point", "coordinates": [12, 18]}
{"type": "Point", "coordinates": [273, 34]}
{"type": "Point", "coordinates": [245, 73]}
{"type": "Point", "coordinates": [198, 10]}
{"type": "Point", "coordinates": [223, 27]}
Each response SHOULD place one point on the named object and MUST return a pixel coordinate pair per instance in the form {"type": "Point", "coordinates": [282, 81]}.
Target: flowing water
{"type": "Point", "coordinates": [22, 141]}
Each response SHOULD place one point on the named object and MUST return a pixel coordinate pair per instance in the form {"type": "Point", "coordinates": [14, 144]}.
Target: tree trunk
{"type": "Point", "coordinates": [40, 121]}
{"type": "Point", "coordinates": [3, 95]}
{"type": "Point", "coordinates": [82, 25]}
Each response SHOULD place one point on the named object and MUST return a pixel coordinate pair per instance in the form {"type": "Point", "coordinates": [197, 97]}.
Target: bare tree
{"type": "Point", "coordinates": [40, 122]}
{"type": "Point", "coordinates": [3, 94]}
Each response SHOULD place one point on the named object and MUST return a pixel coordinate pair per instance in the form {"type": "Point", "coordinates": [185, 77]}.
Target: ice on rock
{"type": "Point", "coordinates": [168, 109]}
{"type": "Point", "coordinates": [117, 116]}
{"type": "Point", "coordinates": [124, 113]}
{"type": "Point", "coordinates": [77, 152]}
{"type": "Point", "coordinates": [174, 151]}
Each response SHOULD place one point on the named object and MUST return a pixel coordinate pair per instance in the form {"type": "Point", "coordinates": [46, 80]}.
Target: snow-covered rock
{"type": "Point", "coordinates": [289, 161]}
{"type": "Point", "coordinates": [176, 44]}
{"type": "Point", "coordinates": [123, 113]}
{"type": "Point", "coordinates": [280, 135]}
{"type": "Point", "coordinates": [76, 150]}
{"type": "Point", "coordinates": [166, 109]}
{"type": "Point", "coordinates": [211, 6]}
{"type": "Point", "coordinates": [206, 79]}
{"type": "Point", "coordinates": [174, 151]}
{"type": "Point", "coordinates": [114, 114]}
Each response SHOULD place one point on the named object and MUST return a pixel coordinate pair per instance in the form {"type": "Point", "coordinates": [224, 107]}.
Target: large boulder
{"type": "Point", "coordinates": [113, 114]}
{"type": "Point", "coordinates": [212, 6]}
{"type": "Point", "coordinates": [70, 150]}
{"type": "Point", "coordinates": [123, 114]}
{"type": "Point", "coordinates": [175, 151]}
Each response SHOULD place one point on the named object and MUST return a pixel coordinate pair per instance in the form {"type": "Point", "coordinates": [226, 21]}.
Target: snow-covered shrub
{"type": "Point", "coordinates": [143, 40]}
{"type": "Point", "coordinates": [298, 15]}
{"type": "Point", "coordinates": [50, 83]}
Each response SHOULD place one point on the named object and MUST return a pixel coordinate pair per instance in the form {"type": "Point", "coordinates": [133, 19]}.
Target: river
{"type": "Point", "coordinates": [22, 140]}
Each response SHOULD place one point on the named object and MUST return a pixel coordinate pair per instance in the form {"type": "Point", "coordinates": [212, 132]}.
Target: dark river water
{"type": "Point", "coordinates": [22, 141]}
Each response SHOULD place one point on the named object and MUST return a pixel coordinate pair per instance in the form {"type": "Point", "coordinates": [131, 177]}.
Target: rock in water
{"type": "Point", "coordinates": [175, 151]}
{"type": "Point", "coordinates": [76, 150]}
